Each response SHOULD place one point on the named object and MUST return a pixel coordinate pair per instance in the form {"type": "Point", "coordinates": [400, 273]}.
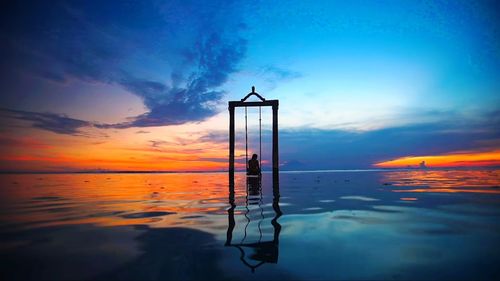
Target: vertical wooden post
{"type": "Point", "coordinates": [275, 143]}
{"type": "Point", "coordinates": [231, 144]}
{"type": "Point", "coordinates": [230, 217]}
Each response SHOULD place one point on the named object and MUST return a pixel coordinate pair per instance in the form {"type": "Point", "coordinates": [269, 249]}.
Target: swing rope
{"type": "Point", "coordinates": [260, 137]}
{"type": "Point", "coordinates": [246, 139]}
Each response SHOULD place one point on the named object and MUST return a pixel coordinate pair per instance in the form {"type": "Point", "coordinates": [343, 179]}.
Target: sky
{"type": "Point", "coordinates": [144, 85]}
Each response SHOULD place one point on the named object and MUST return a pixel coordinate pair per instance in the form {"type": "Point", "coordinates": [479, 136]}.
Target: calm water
{"type": "Point", "coordinates": [319, 225]}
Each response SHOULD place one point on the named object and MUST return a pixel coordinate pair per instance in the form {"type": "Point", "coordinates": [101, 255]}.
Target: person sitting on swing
{"type": "Point", "coordinates": [253, 166]}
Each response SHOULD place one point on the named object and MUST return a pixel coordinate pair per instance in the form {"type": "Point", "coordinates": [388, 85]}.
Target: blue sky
{"type": "Point", "coordinates": [344, 71]}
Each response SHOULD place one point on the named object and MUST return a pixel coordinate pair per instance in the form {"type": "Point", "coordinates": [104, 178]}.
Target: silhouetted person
{"type": "Point", "coordinates": [253, 166]}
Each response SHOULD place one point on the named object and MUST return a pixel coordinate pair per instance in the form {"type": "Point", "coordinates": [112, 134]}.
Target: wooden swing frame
{"type": "Point", "coordinates": [243, 103]}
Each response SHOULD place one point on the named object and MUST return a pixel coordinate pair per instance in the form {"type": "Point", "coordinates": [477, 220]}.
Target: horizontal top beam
{"type": "Point", "coordinates": [233, 104]}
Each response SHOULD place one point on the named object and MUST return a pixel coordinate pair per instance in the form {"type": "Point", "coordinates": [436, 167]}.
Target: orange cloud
{"type": "Point", "coordinates": [458, 159]}
{"type": "Point", "coordinates": [122, 152]}
{"type": "Point", "coordinates": [24, 142]}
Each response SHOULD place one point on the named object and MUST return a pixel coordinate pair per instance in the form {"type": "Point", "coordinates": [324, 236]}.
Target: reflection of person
{"type": "Point", "coordinates": [253, 166]}
{"type": "Point", "coordinates": [253, 185]}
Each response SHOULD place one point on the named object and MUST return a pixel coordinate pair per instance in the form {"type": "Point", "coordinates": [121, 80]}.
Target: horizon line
{"type": "Point", "coordinates": [242, 171]}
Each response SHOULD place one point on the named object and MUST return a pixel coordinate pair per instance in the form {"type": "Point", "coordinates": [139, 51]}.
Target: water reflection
{"type": "Point", "coordinates": [260, 251]}
{"type": "Point", "coordinates": [187, 226]}
{"type": "Point", "coordinates": [444, 181]}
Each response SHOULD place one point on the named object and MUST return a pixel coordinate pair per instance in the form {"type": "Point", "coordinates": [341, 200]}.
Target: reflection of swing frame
{"type": "Point", "coordinates": [244, 103]}
{"type": "Point", "coordinates": [267, 251]}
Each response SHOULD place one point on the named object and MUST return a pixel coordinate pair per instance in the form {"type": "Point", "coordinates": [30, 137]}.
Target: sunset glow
{"type": "Point", "coordinates": [144, 86]}
{"type": "Point", "coordinates": [249, 140]}
{"type": "Point", "coordinates": [465, 159]}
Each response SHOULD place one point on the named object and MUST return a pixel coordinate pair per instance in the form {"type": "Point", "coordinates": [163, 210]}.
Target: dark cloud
{"type": "Point", "coordinates": [199, 42]}
{"type": "Point", "coordinates": [336, 149]}
{"type": "Point", "coordinates": [56, 123]}
{"type": "Point", "coordinates": [195, 102]}
{"type": "Point", "coordinates": [310, 149]}
{"type": "Point", "coordinates": [8, 142]}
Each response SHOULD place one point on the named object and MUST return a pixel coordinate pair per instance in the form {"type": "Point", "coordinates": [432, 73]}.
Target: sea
{"type": "Point", "coordinates": [314, 225]}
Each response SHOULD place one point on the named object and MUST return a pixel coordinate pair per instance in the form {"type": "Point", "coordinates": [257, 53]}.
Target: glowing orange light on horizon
{"type": "Point", "coordinates": [408, 198]}
{"type": "Point", "coordinates": [466, 159]}
{"type": "Point", "coordinates": [119, 154]}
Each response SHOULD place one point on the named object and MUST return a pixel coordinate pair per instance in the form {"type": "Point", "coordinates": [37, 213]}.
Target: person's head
{"type": "Point", "coordinates": [254, 157]}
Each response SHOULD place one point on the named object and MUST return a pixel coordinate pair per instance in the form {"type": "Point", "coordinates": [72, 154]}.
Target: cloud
{"type": "Point", "coordinates": [303, 148]}
{"type": "Point", "coordinates": [23, 142]}
{"type": "Point", "coordinates": [274, 73]}
{"type": "Point", "coordinates": [195, 102]}
{"type": "Point", "coordinates": [215, 137]}
{"type": "Point", "coordinates": [158, 143]}
{"type": "Point", "coordinates": [196, 44]}
{"type": "Point", "coordinates": [336, 149]}
{"type": "Point", "coordinates": [56, 123]}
